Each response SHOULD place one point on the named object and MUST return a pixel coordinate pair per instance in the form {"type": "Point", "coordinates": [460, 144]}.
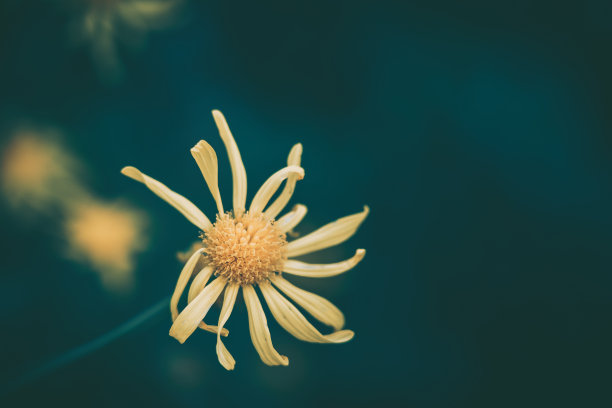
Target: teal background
{"type": "Point", "coordinates": [477, 132]}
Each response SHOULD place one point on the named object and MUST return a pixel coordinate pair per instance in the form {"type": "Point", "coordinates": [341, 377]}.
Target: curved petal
{"type": "Point", "coordinates": [320, 308]}
{"type": "Point", "coordinates": [258, 327]}
{"type": "Point", "coordinates": [183, 205]}
{"type": "Point", "coordinates": [199, 282]}
{"type": "Point", "coordinates": [288, 221]}
{"type": "Point", "coordinates": [329, 235]}
{"type": "Point", "coordinates": [290, 318]}
{"type": "Point", "coordinates": [206, 158]}
{"type": "Point", "coordinates": [268, 188]}
{"type": "Point", "coordinates": [322, 270]}
{"type": "Point", "coordinates": [197, 285]}
{"type": "Point", "coordinates": [238, 171]}
{"type": "Point", "coordinates": [189, 319]}
{"type": "Point", "coordinates": [294, 159]}
{"type": "Point", "coordinates": [225, 358]}
{"type": "Point", "coordinates": [181, 283]}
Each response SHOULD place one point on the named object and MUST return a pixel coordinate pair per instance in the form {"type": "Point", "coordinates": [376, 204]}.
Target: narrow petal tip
{"type": "Point", "coordinates": [202, 144]}
{"type": "Point", "coordinates": [295, 170]}
{"type": "Point", "coordinates": [173, 333]}
{"type": "Point", "coordinates": [297, 149]}
{"type": "Point", "coordinates": [217, 114]}
{"type": "Point", "coordinates": [228, 366]}
{"type": "Point", "coordinates": [345, 335]}
{"type": "Point", "coordinates": [131, 172]}
{"type": "Point", "coordinates": [299, 171]}
{"type": "Point", "coordinates": [225, 359]}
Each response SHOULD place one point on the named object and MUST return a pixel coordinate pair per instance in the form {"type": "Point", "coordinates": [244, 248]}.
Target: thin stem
{"type": "Point", "coordinates": [83, 350]}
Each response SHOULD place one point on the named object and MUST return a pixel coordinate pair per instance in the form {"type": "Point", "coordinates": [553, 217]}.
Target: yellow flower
{"type": "Point", "coordinates": [36, 172]}
{"type": "Point", "coordinates": [107, 236]}
{"type": "Point", "coordinates": [248, 248]}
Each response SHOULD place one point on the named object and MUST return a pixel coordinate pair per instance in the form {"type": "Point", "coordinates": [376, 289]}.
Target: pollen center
{"type": "Point", "coordinates": [244, 249]}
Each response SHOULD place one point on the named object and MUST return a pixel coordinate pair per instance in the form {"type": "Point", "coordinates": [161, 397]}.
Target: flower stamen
{"type": "Point", "coordinates": [244, 249]}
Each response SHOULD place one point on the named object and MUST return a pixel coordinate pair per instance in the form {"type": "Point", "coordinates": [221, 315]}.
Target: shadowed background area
{"type": "Point", "coordinates": [478, 134]}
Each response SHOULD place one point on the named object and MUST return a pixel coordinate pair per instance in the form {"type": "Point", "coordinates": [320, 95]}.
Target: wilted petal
{"type": "Point", "coordinates": [238, 171]}
{"type": "Point", "coordinates": [199, 282]}
{"type": "Point", "coordinates": [183, 205]}
{"type": "Point", "coordinates": [206, 158]}
{"type": "Point", "coordinates": [288, 221]}
{"type": "Point", "coordinates": [322, 270]}
{"type": "Point", "coordinates": [197, 285]}
{"type": "Point", "coordinates": [225, 358]}
{"type": "Point", "coordinates": [182, 281]}
{"type": "Point", "coordinates": [290, 318]}
{"type": "Point", "coordinates": [320, 308]}
{"type": "Point", "coordinates": [283, 198]}
{"type": "Point", "coordinates": [268, 188]}
{"type": "Point", "coordinates": [189, 319]}
{"type": "Point", "coordinates": [258, 326]}
{"type": "Point", "coordinates": [329, 235]}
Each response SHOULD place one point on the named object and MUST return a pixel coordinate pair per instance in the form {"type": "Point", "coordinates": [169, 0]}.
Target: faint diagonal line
{"type": "Point", "coordinates": [83, 350]}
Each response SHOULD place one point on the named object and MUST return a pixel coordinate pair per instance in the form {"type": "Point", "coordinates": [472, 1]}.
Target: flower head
{"type": "Point", "coordinates": [35, 171]}
{"type": "Point", "coordinates": [106, 236]}
{"type": "Point", "coordinates": [248, 248]}
{"type": "Point", "coordinates": [244, 249]}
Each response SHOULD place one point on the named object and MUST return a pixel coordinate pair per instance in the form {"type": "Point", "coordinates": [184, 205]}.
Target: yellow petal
{"type": "Point", "coordinates": [294, 159]}
{"type": "Point", "coordinates": [199, 282]}
{"type": "Point", "coordinates": [181, 283]}
{"type": "Point", "coordinates": [322, 270]}
{"type": "Point", "coordinates": [258, 327]}
{"type": "Point", "coordinates": [189, 319]}
{"type": "Point", "coordinates": [288, 221]}
{"type": "Point", "coordinates": [329, 235]}
{"type": "Point", "coordinates": [268, 188]}
{"type": "Point", "coordinates": [197, 285]}
{"type": "Point", "coordinates": [238, 171]}
{"type": "Point", "coordinates": [183, 205]}
{"type": "Point", "coordinates": [320, 308]}
{"type": "Point", "coordinates": [206, 158]}
{"type": "Point", "coordinates": [290, 318]}
{"type": "Point", "coordinates": [225, 358]}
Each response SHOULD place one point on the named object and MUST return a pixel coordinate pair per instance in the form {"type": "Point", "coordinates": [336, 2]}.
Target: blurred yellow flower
{"type": "Point", "coordinates": [36, 172]}
{"type": "Point", "coordinates": [105, 23]}
{"type": "Point", "coordinates": [248, 248]}
{"type": "Point", "coordinates": [107, 237]}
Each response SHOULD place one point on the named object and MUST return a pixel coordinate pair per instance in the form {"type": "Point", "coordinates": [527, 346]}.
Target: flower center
{"type": "Point", "coordinates": [244, 249]}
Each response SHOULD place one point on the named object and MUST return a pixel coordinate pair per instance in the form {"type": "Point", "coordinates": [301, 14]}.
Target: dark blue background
{"type": "Point", "coordinates": [478, 133]}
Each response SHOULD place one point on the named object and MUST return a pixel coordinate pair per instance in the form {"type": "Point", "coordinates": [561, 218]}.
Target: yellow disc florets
{"type": "Point", "coordinates": [244, 249]}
